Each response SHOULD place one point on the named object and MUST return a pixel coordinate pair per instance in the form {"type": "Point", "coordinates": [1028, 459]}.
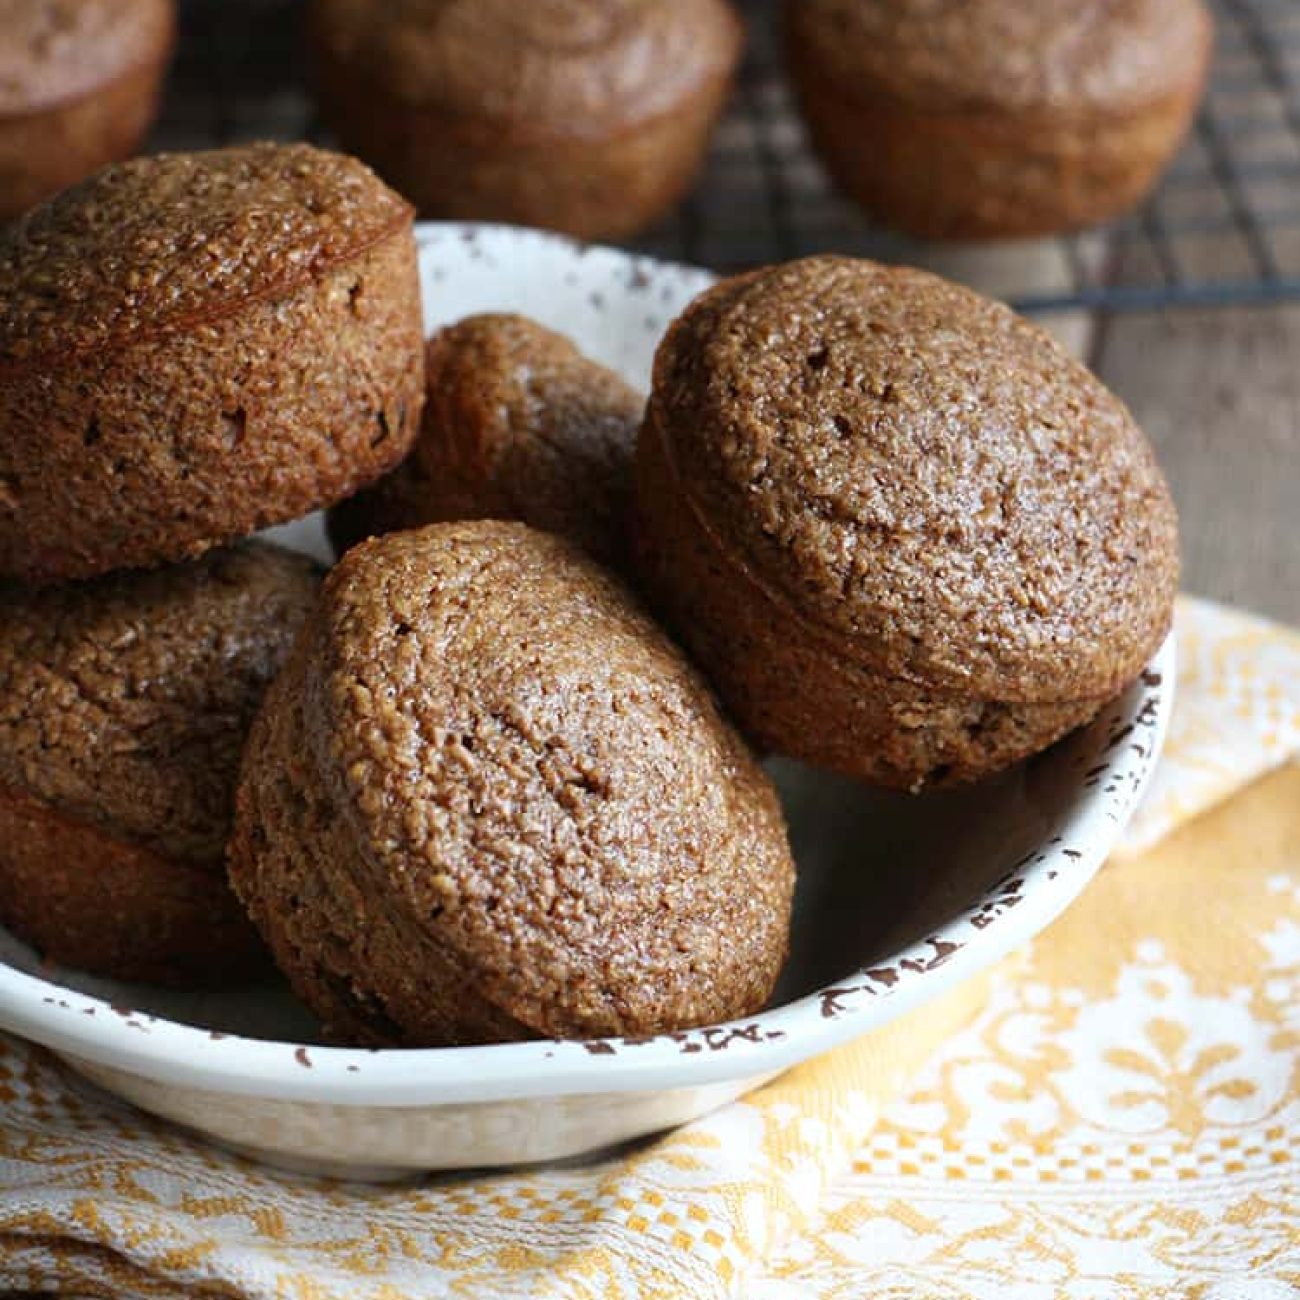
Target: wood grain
{"type": "Point", "coordinates": [1218, 392]}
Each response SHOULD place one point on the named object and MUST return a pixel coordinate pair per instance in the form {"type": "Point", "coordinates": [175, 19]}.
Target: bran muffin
{"type": "Point", "coordinates": [196, 346]}
{"type": "Point", "coordinates": [124, 704]}
{"type": "Point", "coordinates": [973, 119]}
{"type": "Point", "coordinates": [488, 800]}
{"type": "Point", "coordinates": [79, 87]}
{"type": "Point", "coordinates": [585, 116]}
{"type": "Point", "coordinates": [518, 424]}
{"type": "Point", "coordinates": [909, 538]}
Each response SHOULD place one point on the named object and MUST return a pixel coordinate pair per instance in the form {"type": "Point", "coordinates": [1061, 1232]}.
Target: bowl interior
{"type": "Point", "coordinates": [880, 871]}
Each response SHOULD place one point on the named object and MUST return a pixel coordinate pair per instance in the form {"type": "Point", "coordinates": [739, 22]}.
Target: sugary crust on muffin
{"type": "Point", "coordinates": [796, 689]}
{"type": "Point", "coordinates": [175, 241]}
{"type": "Point", "coordinates": [525, 813]}
{"type": "Point", "coordinates": [568, 67]}
{"type": "Point", "coordinates": [179, 435]}
{"type": "Point", "coordinates": [85, 898]}
{"type": "Point", "coordinates": [1054, 56]}
{"type": "Point", "coordinates": [919, 474]}
{"type": "Point", "coordinates": [518, 424]}
{"type": "Point", "coordinates": [124, 702]}
{"type": "Point", "coordinates": [54, 51]}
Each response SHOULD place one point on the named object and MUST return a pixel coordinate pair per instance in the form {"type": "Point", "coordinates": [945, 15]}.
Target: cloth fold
{"type": "Point", "coordinates": [1115, 1111]}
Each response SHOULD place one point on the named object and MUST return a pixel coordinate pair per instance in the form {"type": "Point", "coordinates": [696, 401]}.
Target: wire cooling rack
{"type": "Point", "coordinates": [1224, 227]}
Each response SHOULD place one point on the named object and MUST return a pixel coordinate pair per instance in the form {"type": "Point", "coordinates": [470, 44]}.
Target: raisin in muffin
{"type": "Point", "coordinates": [995, 118]}
{"type": "Point", "coordinates": [124, 704]}
{"type": "Point", "coordinates": [908, 536]}
{"type": "Point", "coordinates": [518, 424]}
{"type": "Point", "coordinates": [489, 800]}
{"type": "Point", "coordinates": [586, 116]}
{"type": "Point", "coordinates": [196, 346]}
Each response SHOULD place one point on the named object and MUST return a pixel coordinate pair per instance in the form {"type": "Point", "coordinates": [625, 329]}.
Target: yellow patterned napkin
{"type": "Point", "coordinates": [1121, 1117]}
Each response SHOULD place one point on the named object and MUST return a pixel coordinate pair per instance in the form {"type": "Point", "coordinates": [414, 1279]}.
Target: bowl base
{"type": "Point", "coordinates": [309, 1167]}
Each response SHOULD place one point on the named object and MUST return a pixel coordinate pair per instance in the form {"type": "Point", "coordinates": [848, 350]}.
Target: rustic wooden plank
{"type": "Point", "coordinates": [1218, 391]}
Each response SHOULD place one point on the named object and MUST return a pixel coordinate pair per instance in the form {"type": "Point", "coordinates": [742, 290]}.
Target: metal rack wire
{"type": "Point", "coordinates": [1224, 227]}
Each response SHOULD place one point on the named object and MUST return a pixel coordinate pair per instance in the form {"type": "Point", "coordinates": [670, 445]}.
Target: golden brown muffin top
{"type": "Point", "coordinates": [907, 464]}
{"type": "Point", "coordinates": [55, 50]}
{"type": "Point", "coordinates": [172, 240]}
{"type": "Point", "coordinates": [541, 782]}
{"type": "Point", "coordinates": [1008, 54]}
{"type": "Point", "coordinates": [124, 702]}
{"type": "Point", "coordinates": [571, 66]}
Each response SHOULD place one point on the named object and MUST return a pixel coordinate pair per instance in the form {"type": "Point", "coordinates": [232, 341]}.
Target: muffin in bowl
{"type": "Point", "coordinates": [489, 800]}
{"type": "Point", "coordinates": [197, 346]}
{"type": "Point", "coordinates": [995, 119]}
{"type": "Point", "coordinates": [585, 116]}
{"type": "Point", "coordinates": [518, 424]}
{"type": "Point", "coordinates": [907, 536]}
{"type": "Point", "coordinates": [79, 87]}
{"type": "Point", "coordinates": [124, 704]}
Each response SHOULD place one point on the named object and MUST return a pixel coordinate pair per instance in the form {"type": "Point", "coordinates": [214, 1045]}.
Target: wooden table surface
{"type": "Point", "coordinates": [1218, 391]}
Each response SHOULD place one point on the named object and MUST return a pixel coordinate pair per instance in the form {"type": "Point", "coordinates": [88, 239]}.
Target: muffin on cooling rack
{"type": "Point", "coordinates": [905, 534]}
{"type": "Point", "coordinates": [990, 119]}
{"type": "Point", "coordinates": [585, 116]}
{"type": "Point", "coordinates": [124, 703]}
{"type": "Point", "coordinates": [518, 424]}
{"type": "Point", "coordinates": [79, 86]}
{"type": "Point", "coordinates": [488, 799]}
{"type": "Point", "coordinates": [196, 346]}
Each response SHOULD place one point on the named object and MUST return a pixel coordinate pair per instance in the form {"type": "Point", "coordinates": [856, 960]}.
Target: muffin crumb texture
{"type": "Point", "coordinates": [175, 240]}
{"type": "Point", "coordinates": [209, 344]}
{"type": "Point", "coordinates": [124, 705]}
{"type": "Point", "coordinates": [518, 424]}
{"type": "Point", "coordinates": [906, 534]}
{"type": "Point", "coordinates": [489, 800]}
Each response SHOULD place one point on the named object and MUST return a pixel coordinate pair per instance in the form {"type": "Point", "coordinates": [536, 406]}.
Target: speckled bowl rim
{"type": "Point", "coordinates": [1115, 758]}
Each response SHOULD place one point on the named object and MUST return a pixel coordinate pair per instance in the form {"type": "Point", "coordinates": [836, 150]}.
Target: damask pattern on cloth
{"type": "Point", "coordinates": [1123, 1118]}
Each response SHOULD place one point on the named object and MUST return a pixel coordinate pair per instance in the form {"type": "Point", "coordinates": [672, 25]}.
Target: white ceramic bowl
{"type": "Point", "coordinates": [899, 897]}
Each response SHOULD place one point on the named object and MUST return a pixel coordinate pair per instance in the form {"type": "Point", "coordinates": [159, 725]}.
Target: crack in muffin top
{"type": "Point", "coordinates": [171, 240]}
{"type": "Point", "coordinates": [908, 465]}
{"type": "Point", "coordinates": [573, 66]}
{"type": "Point", "coordinates": [53, 51]}
{"type": "Point", "coordinates": [1008, 54]}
